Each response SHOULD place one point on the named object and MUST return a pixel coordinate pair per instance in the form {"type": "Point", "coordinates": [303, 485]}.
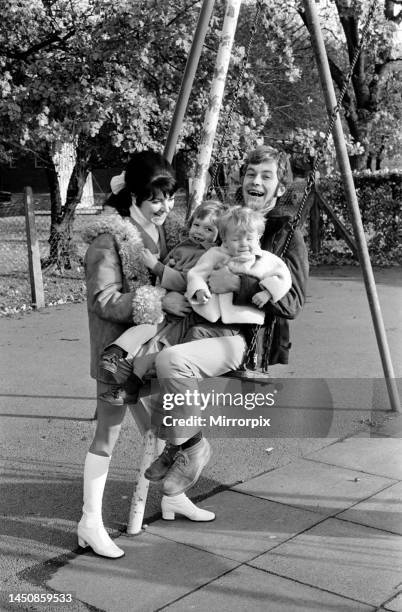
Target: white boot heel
{"type": "Point", "coordinates": [168, 516]}
{"type": "Point", "coordinates": [181, 504]}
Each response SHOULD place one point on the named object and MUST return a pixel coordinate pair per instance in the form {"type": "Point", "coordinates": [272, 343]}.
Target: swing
{"type": "Point", "coordinates": [152, 446]}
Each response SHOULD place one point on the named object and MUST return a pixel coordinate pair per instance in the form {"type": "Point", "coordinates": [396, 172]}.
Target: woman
{"type": "Point", "coordinates": [120, 292]}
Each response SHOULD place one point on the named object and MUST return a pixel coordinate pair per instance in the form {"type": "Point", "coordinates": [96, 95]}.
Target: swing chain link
{"type": "Point", "coordinates": [235, 95]}
{"type": "Point", "coordinates": [311, 177]}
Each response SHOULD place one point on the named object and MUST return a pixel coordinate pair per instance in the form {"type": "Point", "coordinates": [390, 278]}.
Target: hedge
{"type": "Point", "coordinates": [380, 202]}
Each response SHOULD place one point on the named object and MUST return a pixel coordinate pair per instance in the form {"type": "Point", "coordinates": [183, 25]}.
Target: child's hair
{"type": "Point", "coordinates": [240, 217]}
{"type": "Point", "coordinates": [207, 208]}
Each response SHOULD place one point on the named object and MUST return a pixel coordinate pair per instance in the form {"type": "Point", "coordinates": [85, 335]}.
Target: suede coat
{"type": "Point", "coordinates": [121, 291]}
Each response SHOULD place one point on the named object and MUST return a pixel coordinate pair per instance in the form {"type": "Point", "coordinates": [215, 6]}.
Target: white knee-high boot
{"type": "Point", "coordinates": [91, 531]}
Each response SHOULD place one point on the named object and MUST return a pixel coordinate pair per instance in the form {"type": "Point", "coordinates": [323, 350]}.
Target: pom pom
{"type": "Point", "coordinates": [147, 305]}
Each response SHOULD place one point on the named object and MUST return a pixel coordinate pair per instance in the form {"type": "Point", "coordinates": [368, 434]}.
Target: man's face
{"type": "Point", "coordinates": [261, 186]}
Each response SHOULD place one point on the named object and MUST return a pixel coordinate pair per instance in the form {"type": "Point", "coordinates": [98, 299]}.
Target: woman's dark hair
{"type": "Point", "coordinates": [146, 174]}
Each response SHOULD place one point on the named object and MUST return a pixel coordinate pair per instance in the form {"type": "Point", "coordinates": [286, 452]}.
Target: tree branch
{"type": "Point", "coordinates": [48, 42]}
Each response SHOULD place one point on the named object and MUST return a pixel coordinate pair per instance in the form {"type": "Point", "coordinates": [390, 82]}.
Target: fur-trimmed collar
{"type": "Point", "coordinates": [129, 243]}
{"type": "Point", "coordinates": [129, 246]}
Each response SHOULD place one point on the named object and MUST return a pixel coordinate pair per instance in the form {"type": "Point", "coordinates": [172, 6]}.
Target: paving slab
{"type": "Point", "coordinates": [344, 558]}
{"type": "Point", "coordinates": [382, 511]}
{"type": "Point", "coordinates": [392, 426]}
{"type": "Point", "coordinates": [380, 456]}
{"type": "Point", "coordinates": [245, 526]}
{"type": "Point", "coordinates": [153, 573]}
{"type": "Point", "coordinates": [315, 486]}
{"type": "Point", "coordinates": [246, 588]}
{"type": "Point", "coordinates": [395, 605]}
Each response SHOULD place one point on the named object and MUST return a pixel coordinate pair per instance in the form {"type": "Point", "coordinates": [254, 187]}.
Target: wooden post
{"type": "Point", "coordinates": [188, 77]}
{"type": "Point", "coordinates": [351, 198]}
{"type": "Point", "coordinates": [35, 270]}
{"type": "Point", "coordinates": [215, 102]}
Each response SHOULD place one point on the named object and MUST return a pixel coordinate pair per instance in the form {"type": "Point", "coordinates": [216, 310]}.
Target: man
{"type": "Point", "coordinates": [265, 179]}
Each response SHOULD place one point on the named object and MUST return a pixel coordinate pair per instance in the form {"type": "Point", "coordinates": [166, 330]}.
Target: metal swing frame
{"type": "Point", "coordinates": [334, 127]}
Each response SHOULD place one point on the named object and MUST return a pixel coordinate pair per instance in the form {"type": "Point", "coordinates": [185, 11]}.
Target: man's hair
{"type": "Point", "coordinates": [240, 217]}
{"type": "Point", "coordinates": [207, 208]}
{"type": "Point", "coordinates": [263, 153]}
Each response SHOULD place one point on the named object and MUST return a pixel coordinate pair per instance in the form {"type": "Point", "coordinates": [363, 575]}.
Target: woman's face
{"type": "Point", "coordinates": [156, 209]}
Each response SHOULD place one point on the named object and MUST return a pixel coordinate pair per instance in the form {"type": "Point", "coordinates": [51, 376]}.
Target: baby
{"type": "Point", "coordinates": [116, 362]}
{"type": "Point", "coordinates": [240, 230]}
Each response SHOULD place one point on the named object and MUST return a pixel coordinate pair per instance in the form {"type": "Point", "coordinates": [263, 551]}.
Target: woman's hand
{"type": "Point", "coordinates": [223, 281]}
{"type": "Point", "coordinates": [175, 303]}
{"type": "Point", "coordinates": [149, 259]}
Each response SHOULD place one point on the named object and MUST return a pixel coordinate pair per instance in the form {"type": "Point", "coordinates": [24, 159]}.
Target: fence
{"type": "Point", "coordinates": [59, 287]}
{"type": "Point", "coordinates": [15, 287]}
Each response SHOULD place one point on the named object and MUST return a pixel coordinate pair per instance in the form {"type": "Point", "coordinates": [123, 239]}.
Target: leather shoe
{"type": "Point", "coordinates": [160, 467]}
{"type": "Point", "coordinates": [187, 468]}
{"type": "Point", "coordinates": [113, 366]}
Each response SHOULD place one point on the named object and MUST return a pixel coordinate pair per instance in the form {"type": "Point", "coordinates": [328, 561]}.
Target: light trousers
{"type": "Point", "coordinates": [180, 369]}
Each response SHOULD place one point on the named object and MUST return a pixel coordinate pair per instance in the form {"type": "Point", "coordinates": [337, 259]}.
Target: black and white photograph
{"type": "Point", "coordinates": [201, 305]}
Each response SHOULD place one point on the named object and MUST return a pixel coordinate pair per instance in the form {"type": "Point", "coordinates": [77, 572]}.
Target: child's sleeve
{"type": "Point", "coordinates": [173, 280]}
{"type": "Point", "coordinates": [170, 279]}
{"type": "Point", "coordinates": [276, 277]}
{"type": "Point", "coordinates": [198, 276]}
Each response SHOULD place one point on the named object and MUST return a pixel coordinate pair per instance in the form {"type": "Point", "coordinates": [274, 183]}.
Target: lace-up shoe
{"type": "Point", "coordinates": [160, 467]}
{"type": "Point", "coordinates": [187, 468]}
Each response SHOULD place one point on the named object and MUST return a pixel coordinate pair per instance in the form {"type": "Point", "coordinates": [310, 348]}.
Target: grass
{"type": "Point", "coordinates": [15, 290]}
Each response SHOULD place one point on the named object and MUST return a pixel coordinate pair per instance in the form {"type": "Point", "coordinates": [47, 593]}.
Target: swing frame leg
{"type": "Point", "coordinates": [152, 446]}
{"type": "Point", "coordinates": [353, 205]}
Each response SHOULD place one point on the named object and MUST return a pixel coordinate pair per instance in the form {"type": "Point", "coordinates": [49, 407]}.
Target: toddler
{"type": "Point", "coordinates": [240, 230]}
{"type": "Point", "coordinates": [116, 362]}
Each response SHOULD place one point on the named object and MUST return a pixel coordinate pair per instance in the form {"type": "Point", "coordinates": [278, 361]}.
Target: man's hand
{"type": "Point", "coordinates": [175, 303]}
{"type": "Point", "coordinates": [261, 298]}
{"type": "Point", "coordinates": [149, 259]}
{"type": "Point", "coordinates": [223, 281]}
{"type": "Point", "coordinates": [202, 296]}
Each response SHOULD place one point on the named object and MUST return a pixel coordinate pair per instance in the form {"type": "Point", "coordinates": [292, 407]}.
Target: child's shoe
{"type": "Point", "coordinates": [119, 396]}
{"type": "Point", "coordinates": [115, 364]}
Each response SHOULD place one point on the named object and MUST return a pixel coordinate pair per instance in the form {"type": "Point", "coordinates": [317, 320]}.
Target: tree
{"type": "Point", "coordinates": [374, 94]}
{"type": "Point", "coordinates": [102, 76]}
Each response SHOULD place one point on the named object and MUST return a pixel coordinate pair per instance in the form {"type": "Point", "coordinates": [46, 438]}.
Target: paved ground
{"type": "Point", "coordinates": [313, 524]}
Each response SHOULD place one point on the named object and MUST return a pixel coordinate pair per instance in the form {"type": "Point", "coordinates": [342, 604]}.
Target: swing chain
{"type": "Point", "coordinates": [236, 92]}
{"type": "Point", "coordinates": [311, 177]}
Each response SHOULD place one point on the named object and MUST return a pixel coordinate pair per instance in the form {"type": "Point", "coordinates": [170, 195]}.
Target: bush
{"type": "Point", "coordinates": [380, 200]}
